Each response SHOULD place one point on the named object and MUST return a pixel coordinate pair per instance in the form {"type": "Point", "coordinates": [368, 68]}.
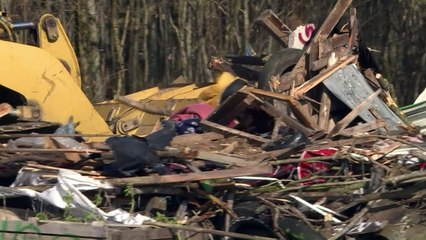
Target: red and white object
{"type": "Point", "coordinates": [301, 36]}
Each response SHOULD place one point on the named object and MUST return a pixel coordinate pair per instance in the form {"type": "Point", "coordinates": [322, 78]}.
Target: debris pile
{"type": "Point", "coordinates": [317, 149]}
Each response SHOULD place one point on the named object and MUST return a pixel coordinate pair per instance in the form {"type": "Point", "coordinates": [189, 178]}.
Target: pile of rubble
{"type": "Point", "coordinates": [323, 153]}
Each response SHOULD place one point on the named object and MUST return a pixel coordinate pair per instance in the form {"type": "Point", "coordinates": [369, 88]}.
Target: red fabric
{"type": "Point", "coordinates": [309, 169]}
{"type": "Point", "coordinates": [198, 110]}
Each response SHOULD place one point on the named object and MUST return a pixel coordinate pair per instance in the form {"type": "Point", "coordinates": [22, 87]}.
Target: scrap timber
{"type": "Point", "coordinates": [321, 152]}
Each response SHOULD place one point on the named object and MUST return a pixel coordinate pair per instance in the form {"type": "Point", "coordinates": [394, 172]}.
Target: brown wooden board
{"type": "Point", "coordinates": [308, 85]}
{"type": "Point", "coordinates": [363, 128]}
{"type": "Point", "coordinates": [354, 113]}
{"type": "Point", "coordinates": [191, 177]}
{"type": "Point", "coordinates": [332, 19]}
{"type": "Point", "coordinates": [227, 130]}
{"type": "Point", "coordinates": [221, 158]}
{"type": "Point", "coordinates": [324, 112]}
{"type": "Point", "coordinates": [295, 105]}
{"type": "Point", "coordinates": [275, 26]}
{"type": "Point", "coordinates": [60, 230]}
{"type": "Point", "coordinates": [142, 234]}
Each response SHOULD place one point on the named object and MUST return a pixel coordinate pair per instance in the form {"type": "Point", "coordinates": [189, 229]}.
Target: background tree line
{"type": "Point", "coordinates": [127, 45]}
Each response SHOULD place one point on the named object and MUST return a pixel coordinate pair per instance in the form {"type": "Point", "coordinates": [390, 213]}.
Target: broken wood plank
{"type": "Point", "coordinates": [191, 177]}
{"type": "Point", "coordinates": [385, 151]}
{"type": "Point", "coordinates": [45, 167]}
{"type": "Point", "coordinates": [62, 230]}
{"type": "Point", "coordinates": [42, 150]}
{"type": "Point", "coordinates": [339, 40]}
{"type": "Point", "coordinates": [313, 57]}
{"type": "Point", "coordinates": [140, 233]}
{"type": "Point", "coordinates": [290, 122]}
{"type": "Point", "coordinates": [227, 130]}
{"type": "Point", "coordinates": [353, 23]}
{"type": "Point", "coordinates": [230, 148]}
{"type": "Point", "coordinates": [220, 158]}
{"type": "Point", "coordinates": [275, 26]}
{"type": "Point", "coordinates": [209, 231]}
{"type": "Point", "coordinates": [295, 105]}
{"type": "Point", "coordinates": [354, 113]}
{"type": "Point", "coordinates": [196, 141]}
{"type": "Point", "coordinates": [324, 112]}
{"type": "Point", "coordinates": [342, 142]}
{"type": "Point", "coordinates": [305, 87]}
{"type": "Point", "coordinates": [363, 128]}
{"type": "Point", "coordinates": [280, 153]}
{"type": "Point", "coordinates": [34, 135]}
{"type": "Point", "coordinates": [332, 19]}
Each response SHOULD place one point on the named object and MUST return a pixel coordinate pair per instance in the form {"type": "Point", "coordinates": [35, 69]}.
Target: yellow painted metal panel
{"type": "Point", "coordinates": [42, 79]}
{"type": "Point", "coordinates": [61, 47]}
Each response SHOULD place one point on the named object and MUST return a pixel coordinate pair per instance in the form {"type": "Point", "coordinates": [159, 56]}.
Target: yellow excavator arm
{"type": "Point", "coordinates": [49, 76]}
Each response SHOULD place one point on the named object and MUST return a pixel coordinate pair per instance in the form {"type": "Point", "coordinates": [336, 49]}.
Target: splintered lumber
{"type": "Point", "coordinates": [208, 231]}
{"type": "Point", "coordinates": [221, 158]}
{"type": "Point", "coordinates": [324, 113]}
{"type": "Point", "coordinates": [190, 177]}
{"type": "Point", "coordinates": [280, 153]}
{"type": "Point", "coordinates": [363, 128]}
{"type": "Point", "coordinates": [325, 30]}
{"type": "Point", "coordinates": [295, 105]}
{"type": "Point", "coordinates": [274, 25]}
{"type": "Point", "coordinates": [332, 43]}
{"type": "Point", "coordinates": [224, 129]}
{"type": "Point", "coordinates": [354, 113]}
{"type": "Point", "coordinates": [34, 135]}
{"type": "Point", "coordinates": [42, 150]}
{"type": "Point", "coordinates": [354, 28]}
{"type": "Point", "coordinates": [45, 167]}
{"type": "Point", "coordinates": [230, 148]}
{"type": "Point", "coordinates": [305, 87]}
{"type": "Point", "coordinates": [51, 230]}
{"type": "Point", "coordinates": [356, 219]}
{"type": "Point", "coordinates": [288, 121]}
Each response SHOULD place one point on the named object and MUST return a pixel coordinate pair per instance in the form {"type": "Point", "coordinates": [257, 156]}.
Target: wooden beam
{"type": "Point", "coordinates": [280, 153]}
{"type": "Point", "coordinates": [42, 150]}
{"type": "Point", "coordinates": [294, 104]}
{"type": "Point", "coordinates": [221, 158]}
{"type": "Point", "coordinates": [191, 177]}
{"type": "Point", "coordinates": [324, 112]}
{"type": "Point", "coordinates": [313, 57]}
{"type": "Point", "coordinates": [363, 128]}
{"type": "Point", "coordinates": [325, 30]}
{"type": "Point", "coordinates": [353, 22]}
{"type": "Point", "coordinates": [62, 230]}
{"type": "Point", "coordinates": [305, 87]}
{"type": "Point", "coordinates": [275, 26]}
{"type": "Point", "coordinates": [207, 231]}
{"type": "Point", "coordinates": [354, 113]}
{"type": "Point", "coordinates": [288, 121]}
{"type": "Point", "coordinates": [227, 130]}
{"type": "Point", "coordinates": [147, 233]}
